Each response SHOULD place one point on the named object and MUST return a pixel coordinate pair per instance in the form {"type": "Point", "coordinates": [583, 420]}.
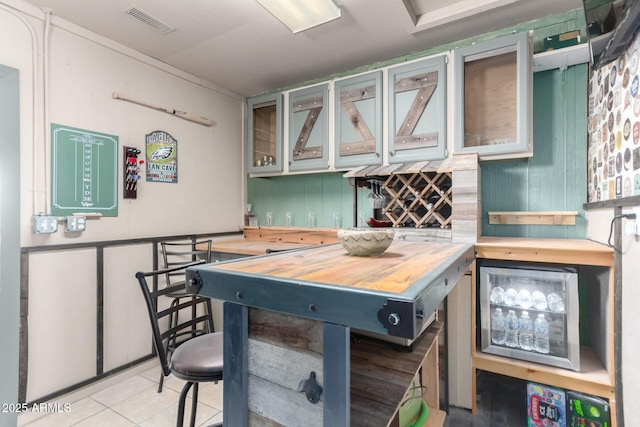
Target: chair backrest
{"type": "Point", "coordinates": [156, 314]}
{"type": "Point", "coordinates": [175, 254]}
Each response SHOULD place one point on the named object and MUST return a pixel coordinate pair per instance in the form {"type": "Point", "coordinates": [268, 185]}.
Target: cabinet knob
{"type": "Point", "coordinates": [391, 153]}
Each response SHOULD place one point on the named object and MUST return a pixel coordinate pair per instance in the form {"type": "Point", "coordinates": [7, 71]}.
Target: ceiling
{"type": "Point", "coordinates": [238, 45]}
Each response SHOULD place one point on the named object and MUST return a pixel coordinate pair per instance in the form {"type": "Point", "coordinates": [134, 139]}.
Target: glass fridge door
{"type": "Point", "coordinates": [523, 305]}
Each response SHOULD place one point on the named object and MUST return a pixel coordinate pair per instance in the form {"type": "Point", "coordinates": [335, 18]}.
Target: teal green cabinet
{"type": "Point", "coordinates": [264, 133]}
{"type": "Point", "coordinates": [358, 120]}
{"type": "Point", "coordinates": [309, 128]}
{"type": "Point", "coordinates": [418, 111]}
{"type": "Point", "coordinates": [493, 98]}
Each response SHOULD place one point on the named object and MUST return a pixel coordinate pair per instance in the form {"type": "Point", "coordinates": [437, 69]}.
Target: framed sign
{"type": "Point", "coordinates": [84, 171]}
{"type": "Point", "coordinates": [162, 157]}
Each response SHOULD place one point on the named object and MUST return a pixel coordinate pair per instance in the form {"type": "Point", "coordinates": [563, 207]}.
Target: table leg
{"type": "Point", "coordinates": [235, 400]}
{"type": "Point", "coordinates": [337, 375]}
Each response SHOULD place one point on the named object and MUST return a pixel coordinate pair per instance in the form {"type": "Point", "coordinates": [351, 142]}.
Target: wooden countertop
{"type": "Point", "coordinates": [563, 251]}
{"type": "Point", "coordinates": [258, 240]}
{"type": "Point", "coordinates": [328, 284]}
{"type": "Point", "coordinates": [401, 266]}
{"type": "Point", "coordinates": [254, 247]}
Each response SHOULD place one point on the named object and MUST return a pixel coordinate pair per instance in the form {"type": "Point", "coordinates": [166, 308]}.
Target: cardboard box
{"type": "Point", "coordinates": [546, 406]}
{"type": "Point", "coordinates": [559, 41]}
{"type": "Point", "coordinates": [584, 410]}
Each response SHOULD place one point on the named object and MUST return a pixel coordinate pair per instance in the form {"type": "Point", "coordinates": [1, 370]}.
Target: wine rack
{"type": "Point", "coordinates": [419, 200]}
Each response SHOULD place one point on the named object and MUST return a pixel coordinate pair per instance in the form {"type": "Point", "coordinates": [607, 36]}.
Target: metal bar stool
{"type": "Point", "coordinates": [179, 254]}
{"type": "Point", "coordinates": [195, 359]}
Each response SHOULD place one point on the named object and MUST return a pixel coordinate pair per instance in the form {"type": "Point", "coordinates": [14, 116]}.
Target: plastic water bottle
{"type": "Point", "coordinates": [541, 334]}
{"type": "Point", "coordinates": [511, 335]}
{"type": "Point", "coordinates": [498, 327]}
{"type": "Point", "coordinates": [526, 332]}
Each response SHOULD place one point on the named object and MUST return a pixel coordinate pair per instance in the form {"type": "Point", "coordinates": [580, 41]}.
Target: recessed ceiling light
{"type": "Point", "coordinates": [300, 15]}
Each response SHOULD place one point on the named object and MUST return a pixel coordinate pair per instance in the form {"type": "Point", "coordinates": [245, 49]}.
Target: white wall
{"type": "Point", "coordinates": [83, 71]}
{"type": "Point", "coordinates": [598, 226]}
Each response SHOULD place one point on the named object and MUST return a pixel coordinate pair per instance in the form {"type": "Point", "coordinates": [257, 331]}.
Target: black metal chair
{"type": "Point", "coordinates": [194, 359]}
{"type": "Point", "coordinates": [179, 254]}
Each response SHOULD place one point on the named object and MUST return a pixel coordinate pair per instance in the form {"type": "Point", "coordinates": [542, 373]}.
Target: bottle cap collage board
{"type": "Point", "coordinates": [614, 127]}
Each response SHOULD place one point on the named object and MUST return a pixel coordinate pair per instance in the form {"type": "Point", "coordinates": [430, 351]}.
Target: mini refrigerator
{"type": "Point", "coordinates": [531, 291]}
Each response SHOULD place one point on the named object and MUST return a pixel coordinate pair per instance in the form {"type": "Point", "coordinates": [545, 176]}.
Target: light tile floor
{"type": "Point", "coordinates": [133, 401]}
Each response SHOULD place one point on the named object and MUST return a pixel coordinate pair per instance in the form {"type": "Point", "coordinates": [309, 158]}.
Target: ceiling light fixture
{"type": "Point", "coordinates": [300, 15]}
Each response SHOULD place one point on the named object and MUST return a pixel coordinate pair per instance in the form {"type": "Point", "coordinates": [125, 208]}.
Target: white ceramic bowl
{"type": "Point", "coordinates": [365, 241]}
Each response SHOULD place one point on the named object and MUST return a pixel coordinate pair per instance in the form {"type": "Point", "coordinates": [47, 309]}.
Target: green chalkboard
{"type": "Point", "coordinates": [84, 171]}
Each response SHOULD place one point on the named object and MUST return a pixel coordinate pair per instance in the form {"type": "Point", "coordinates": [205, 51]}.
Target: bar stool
{"type": "Point", "coordinates": [195, 359]}
{"type": "Point", "coordinates": [179, 254]}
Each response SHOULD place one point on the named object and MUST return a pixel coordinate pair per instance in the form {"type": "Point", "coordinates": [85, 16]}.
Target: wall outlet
{"type": "Point", "coordinates": [632, 226]}
{"type": "Point", "coordinates": [44, 224]}
{"type": "Point", "coordinates": [76, 223]}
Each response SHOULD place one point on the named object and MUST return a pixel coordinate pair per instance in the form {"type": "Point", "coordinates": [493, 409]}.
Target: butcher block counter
{"type": "Point", "coordinates": [314, 297]}
{"type": "Point", "coordinates": [253, 247]}
{"type": "Point", "coordinates": [264, 240]}
{"type": "Point", "coordinates": [326, 283]}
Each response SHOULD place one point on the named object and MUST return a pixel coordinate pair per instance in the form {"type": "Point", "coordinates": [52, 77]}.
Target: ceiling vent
{"type": "Point", "coordinates": [144, 17]}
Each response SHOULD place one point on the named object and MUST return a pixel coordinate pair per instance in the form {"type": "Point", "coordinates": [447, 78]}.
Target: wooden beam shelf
{"type": "Point", "coordinates": [533, 218]}
{"type": "Point", "coordinates": [592, 379]}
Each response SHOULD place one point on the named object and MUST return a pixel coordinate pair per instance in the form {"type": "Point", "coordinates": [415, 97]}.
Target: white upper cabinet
{"type": "Point", "coordinates": [488, 87]}
{"type": "Point", "coordinates": [358, 120]}
{"type": "Point", "coordinates": [493, 99]}
{"type": "Point", "coordinates": [309, 129]}
{"type": "Point", "coordinates": [264, 133]}
{"type": "Point", "coordinates": [417, 94]}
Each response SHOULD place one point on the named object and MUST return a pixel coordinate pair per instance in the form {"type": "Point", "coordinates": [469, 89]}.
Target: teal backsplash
{"type": "Point", "coordinates": [555, 178]}
{"type": "Point", "coordinates": [323, 194]}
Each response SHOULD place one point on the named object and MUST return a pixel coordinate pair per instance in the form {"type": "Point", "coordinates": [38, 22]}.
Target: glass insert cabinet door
{"type": "Point", "coordinates": [265, 133]}
{"type": "Point", "coordinates": [358, 120]}
{"type": "Point", "coordinates": [493, 82]}
{"type": "Point", "coordinates": [309, 128]}
{"type": "Point", "coordinates": [418, 111]}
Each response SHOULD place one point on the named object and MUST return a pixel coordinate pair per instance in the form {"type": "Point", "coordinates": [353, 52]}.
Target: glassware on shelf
{"type": "Point", "coordinates": [312, 220]}
{"type": "Point", "coordinates": [336, 220]}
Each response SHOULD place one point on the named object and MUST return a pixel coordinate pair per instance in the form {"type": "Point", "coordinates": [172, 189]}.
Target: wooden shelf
{"type": "Point", "coordinates": [533, 218]}
{"type": "Point", "coordinates": [592, 378]}
{"type": "Point", "coordinates": [436, 418]}
{"type": "Point", "coordinates": [563, 251]}
{"type": "Point", "coordinates": [596, 376]}
{"type": "Point", "coordinates": [380, 377]}
{"type": "Point", "coordinates": [561, 58]}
